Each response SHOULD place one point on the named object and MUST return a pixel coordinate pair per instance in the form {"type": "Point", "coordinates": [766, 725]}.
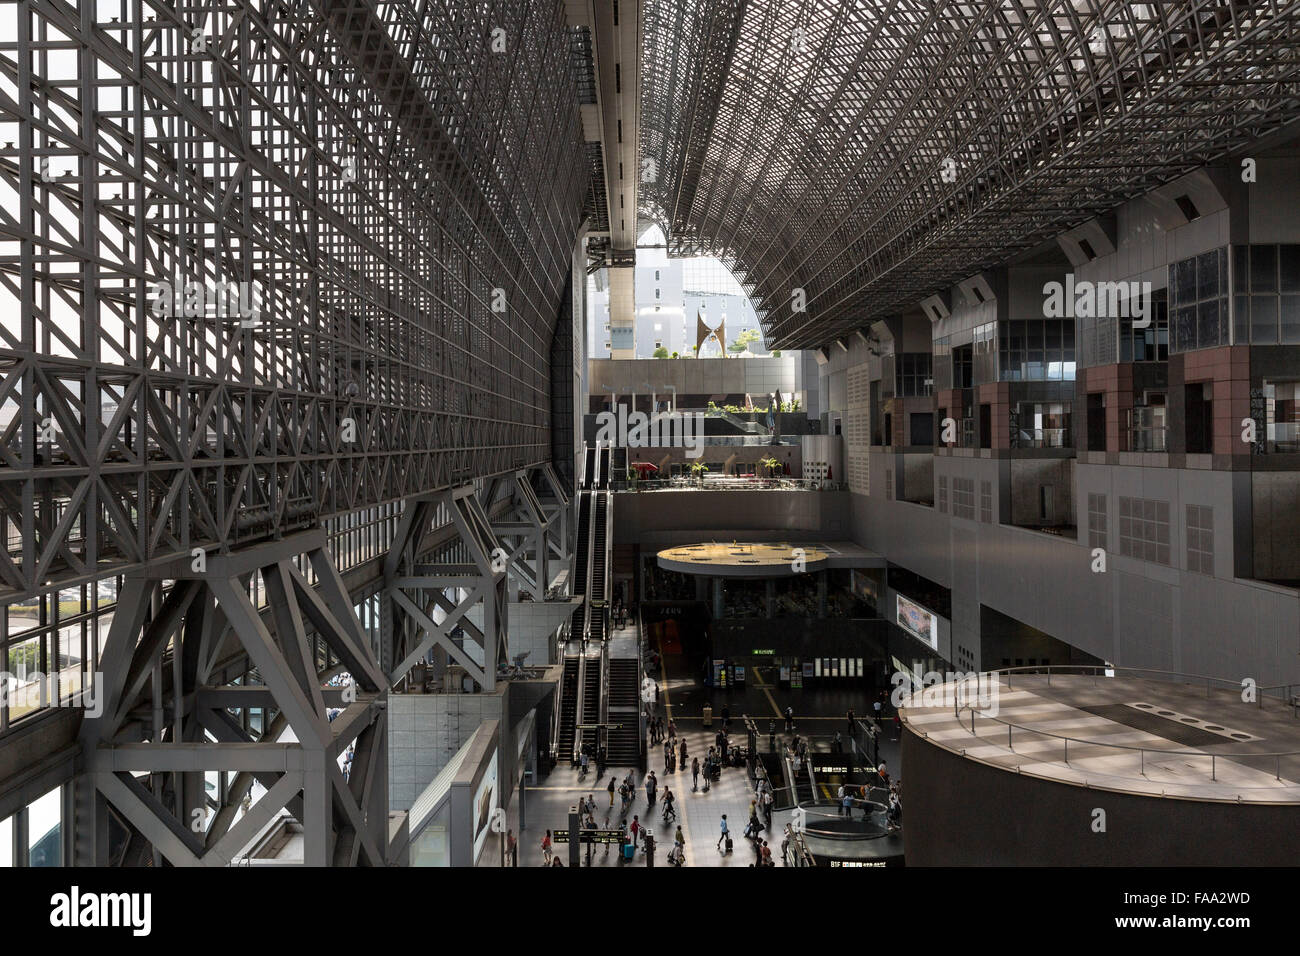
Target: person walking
{"type": "Point", "coordinates": [768, 800]}
{"type": "Point", "coordinates": [695, 775]}
{"type": "Point", "coordinates": [651, 785]}
{"type": "Point", "coordinates": [789, 718]}
{"type": "Point", "coordinates": [725, 832]}
{"type": "Point", "coordinates": [682, 754]}
{"type": "Point", "coordinates": [668, 753]}
{"type": "Point", "coordinates": [850, 721]}
{"type": "Point", "coordinates": [836, 745]}
{"type": "Point", "coordinates": [512, 848]}
{"type": "Point", "coordinates": [546, 848]}
{"type": "Point", "coordinates": [611, 789]}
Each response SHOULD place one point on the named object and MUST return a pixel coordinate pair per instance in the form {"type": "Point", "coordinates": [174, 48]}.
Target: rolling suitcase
{"type": "Point", "coordinates": [728, 843]}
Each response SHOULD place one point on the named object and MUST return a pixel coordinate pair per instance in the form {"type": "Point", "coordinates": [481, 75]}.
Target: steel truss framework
{"type": "Point", "coordinates": [462, 593]}
{"type": "Point", "coordinates": [166, 723]}
{"type": "Point", "coordinates": [806, 143]}
{"type": "Point", "coordinates": [365, 214]}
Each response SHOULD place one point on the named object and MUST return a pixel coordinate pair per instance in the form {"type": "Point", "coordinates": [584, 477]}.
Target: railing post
{"type": "Point", "coordinates": [1009, 747]}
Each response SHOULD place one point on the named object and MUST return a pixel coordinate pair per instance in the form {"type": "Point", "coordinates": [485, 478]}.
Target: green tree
{"type": "Point", "coordinates": [661, 352]}
{"type": "Point", "coordinates": [743, 340]}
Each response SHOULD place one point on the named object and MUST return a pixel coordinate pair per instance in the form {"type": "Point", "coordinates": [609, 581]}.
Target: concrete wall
{"type": "Point", "coordinates": [809, 514]}
{"type": "Point", "coordinates": [756, 376]}
{"type": "Point", "coordinates": [960, 812]}
{"type": "Point", "coordinates": [424, 733]}
{"type": "Point", "coordinates": [1136, 614]}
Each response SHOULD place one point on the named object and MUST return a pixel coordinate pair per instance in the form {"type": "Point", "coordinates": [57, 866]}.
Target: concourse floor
{"type": "Point", "coordinates": [818, 714]}
{"type": "Point", "coordinates": [547, 806]}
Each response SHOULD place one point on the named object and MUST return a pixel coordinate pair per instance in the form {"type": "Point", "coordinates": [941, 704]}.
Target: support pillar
{"type": "Point", "coordinates": [171, 717]}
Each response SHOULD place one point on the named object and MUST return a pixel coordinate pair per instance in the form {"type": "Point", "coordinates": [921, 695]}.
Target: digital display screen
{"type": "Point", "coordinates": [918, 621]}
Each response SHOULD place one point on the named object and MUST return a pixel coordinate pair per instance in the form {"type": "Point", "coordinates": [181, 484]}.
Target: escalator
{"type": "Point", "coordinates": [623, 743]}
{"type": "Point", "coordinates": [576, 632]}
{"type": "Point", "coordinates": [591, 699]}
{"type": "Point", "coordinates": [599, 569]}
{"type": "Point", "coordinates": [568, 708]}
{"type": "Point", "coordinates": [802, 785]}
{"type": "Point", "coordinates": [604, 474]}
{"type": "Point", "coordinates": [589, 472]}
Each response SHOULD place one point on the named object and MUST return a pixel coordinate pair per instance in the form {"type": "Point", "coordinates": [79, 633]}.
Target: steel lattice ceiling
{"type": "Point", "coordinates": [805, 143]}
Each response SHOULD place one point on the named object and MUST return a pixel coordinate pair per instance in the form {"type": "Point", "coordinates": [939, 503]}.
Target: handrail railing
{"type": "Point", "coordinates": [1177, 676]}
{"type": "Point", "coordinates": [835, 834]}
{"type": "Point", "coordinates": [796, 850]}
{"type": "Point", "coordinates": [730, 483]}
{"type": "Point", "coordinates": [959, 710]}
{"type": "Point", "coordinates": [580, 702]}
{"type": "Point", "coordinates": [641, 675]}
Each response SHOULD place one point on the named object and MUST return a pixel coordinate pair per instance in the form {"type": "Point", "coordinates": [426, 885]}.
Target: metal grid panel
{"type": "Point", "coordinates": [366, 212]}
{"type": "Point", "coordinates": [806, 143]}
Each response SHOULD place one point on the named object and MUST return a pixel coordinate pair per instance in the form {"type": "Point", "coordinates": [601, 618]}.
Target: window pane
{"type": "Point", "coordinates": [1241, 320]}
{"type": "Point", "coordinates": [1289, 263]}
{"type": "Point", "coordinates": [1240, 268]}
{"type": "Point", "coordinates": [1291, 319]}
{"type": "Point", "coordinates": [7, 842]}
{"type": "Point", "coordinates": [1207, 276]}
{"type": "Point", "coordinates": [1183, 284]}
{"type": "Point", "coordinates": [1208, 324]}
{"type": "Point", "coordinates": [44, 826]}
{"type": "Point", "coordinates": [1263, 268]}
{"type": "Point", "coordinates": [1263, 319]}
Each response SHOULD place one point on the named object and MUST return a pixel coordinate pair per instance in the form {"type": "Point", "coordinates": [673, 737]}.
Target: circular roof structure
{"type": "Point", "coordinates": [1129, 731]}
{"type": "Point", "coordinates": [743, 560]}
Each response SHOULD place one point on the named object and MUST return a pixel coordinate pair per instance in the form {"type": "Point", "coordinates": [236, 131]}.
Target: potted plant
{"type": "Point", "coordinates": [771, 464]}
{"type": "Point", "coordinates": [698, 470]}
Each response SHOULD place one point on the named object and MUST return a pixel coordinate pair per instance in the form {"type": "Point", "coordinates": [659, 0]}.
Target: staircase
{"type": "Point", "coordinates": [624, 744]}
{"type": "Point", "coordinates": [568, 709]}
